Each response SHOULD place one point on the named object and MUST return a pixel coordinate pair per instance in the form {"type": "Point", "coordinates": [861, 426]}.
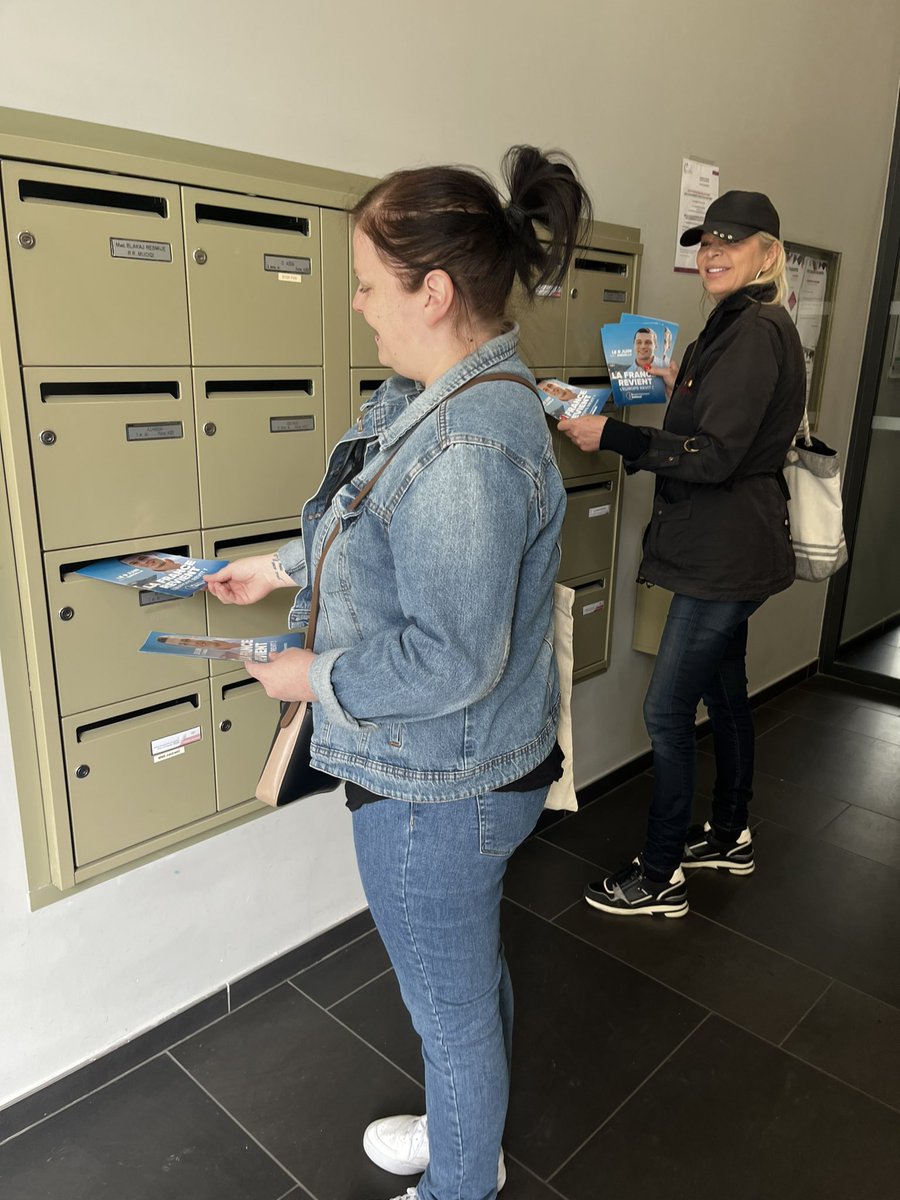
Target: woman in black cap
{"type": "Point", "coordinates": [718, 539]}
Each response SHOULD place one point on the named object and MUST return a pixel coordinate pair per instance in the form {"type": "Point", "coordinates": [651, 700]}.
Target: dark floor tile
{"type": "Point", "coordinates": [272, 973]}
{"type": "Point", "coordinates": [109, 1066]}
{"type": "Point", "coordinates": [827, 707]}
{"type": "Point", "coordinates": [152, 1135]}
{"type": "Point", "coordinates": [344, 971]}
{"type": "Point", "coordinates": [587, 1031]}
{"type": "Point", "coordinates": [866, 833]}
{"type": "Point", "coordinates": [882, 700]}
{"type": "Point", "coordinates": [611, 831]}
{"type": "Point", "coordinates": [797, 807]}
{"type": "Point", "coordinates": [299, 1082]}
{"type": "Point", "coordinates": [521, 1184]}
{"type": "Point", "coordinates": [844, 765]}
{"type": "Point", "coordinates": [878, 656]}
{"type": "Point", "coordinates": [545, 879]}
{"type": "Point", "coordinates": [825, 907]}
{"type": "Point", "coordinates": [876, 724]}
{"type": "Point", "coordinates": [855, 1038]}
{"type": "Point", "coordinates": [730, 1115]}
{"type": "Point", "coordinates": [749, 984]}
{"type": "Point", "coordinates": [377, 1014]}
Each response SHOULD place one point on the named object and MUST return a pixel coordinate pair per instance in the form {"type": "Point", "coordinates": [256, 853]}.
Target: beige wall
{"type": "Point", "coordinates": [778, 95]}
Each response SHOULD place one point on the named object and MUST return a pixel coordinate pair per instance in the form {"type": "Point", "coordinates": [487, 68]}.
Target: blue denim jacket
{"type": "Point", "coordinates": [435, 673]}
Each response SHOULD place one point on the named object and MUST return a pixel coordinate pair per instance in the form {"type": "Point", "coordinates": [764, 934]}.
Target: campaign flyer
{"type": "Point", "coordinates": [156, 571]}
{"type": "Point", "coordinates": [257, 649]}
{"type": "Point", "coordinates": [565, 400]}
{"type": "Point", "coordinates": [631, 346]}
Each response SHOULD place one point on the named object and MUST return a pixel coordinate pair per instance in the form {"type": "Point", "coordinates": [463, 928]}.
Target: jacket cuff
{"type": "Point", "coordinates": [627, 440]}
{"type": "Point", "coordinates": [320, 682]}
{"type": "Point", "coordinates": [293, 559]}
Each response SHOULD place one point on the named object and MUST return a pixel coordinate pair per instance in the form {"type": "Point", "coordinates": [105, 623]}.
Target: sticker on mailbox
{"type": "Point", "coordinates": [145, 251]}
{"type": "Point", "coordinates": [281, 264]}
{"type": "Point", "coordinates": [174, 743]}
{"type": "Point", "coordinates": [590, 609]}
{"type": "Point", "coordinates": [602, 510]}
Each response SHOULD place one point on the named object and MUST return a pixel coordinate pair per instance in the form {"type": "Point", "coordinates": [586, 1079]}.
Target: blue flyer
{"type": "Point", "coordinates": [631, 347]}
{"type": "Point", "coordinates": [565, 400]}
{"type": "Point", "coordinates": [257, 649]}
{"type": "Point", "coordinates": [156, 571]}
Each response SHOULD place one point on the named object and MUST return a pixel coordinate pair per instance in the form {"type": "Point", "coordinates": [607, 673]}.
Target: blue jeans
{"type": "Point", "coordinates": [702, 655]}
{"type": "Point", "coordinates": [433, 876]}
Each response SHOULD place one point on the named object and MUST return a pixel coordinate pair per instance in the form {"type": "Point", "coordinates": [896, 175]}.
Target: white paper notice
{"type": "Point", "coordinates": [795, 268]}
{"type": "Point", "coordinates": [811, 306]}
{"type": "Point", "coordinates": [699, 187]}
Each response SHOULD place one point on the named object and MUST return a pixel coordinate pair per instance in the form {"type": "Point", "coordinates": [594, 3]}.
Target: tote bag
{"type": "Point", "coordinates": [813, 476]}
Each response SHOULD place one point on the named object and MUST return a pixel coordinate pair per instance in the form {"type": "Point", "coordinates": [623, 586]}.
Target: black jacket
{"type": "Point", "coordinates": [719, 528]}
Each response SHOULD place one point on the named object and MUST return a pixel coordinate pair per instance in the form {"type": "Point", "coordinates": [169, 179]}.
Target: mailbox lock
{"type": "Point", "coordinates": [27, 240]}
{"type": "Point", "coordinates": [82, 772]}
{"type": "Point", "coordinates": [200, 257]}
{"type": "Point", "coordinates": [48, 437]}
{"type": "Point", "coordinates": [209, 428]}
{"type": "Point", "coordinates": [67, 613]}
{"type": "Point", "coordinates": [225, 726]}
{"type": "Point", "coordinates": [574, 293]}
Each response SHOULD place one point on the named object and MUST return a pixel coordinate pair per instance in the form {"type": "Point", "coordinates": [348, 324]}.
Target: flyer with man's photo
{"type": "Point", "coordinates": [631, 347]}
{"type": "Point", "coordinates": [566, 400]}
{"type": "Point", "coordinates": [257, 649]}
{"type": "Point", "coordinates": [156, 571]}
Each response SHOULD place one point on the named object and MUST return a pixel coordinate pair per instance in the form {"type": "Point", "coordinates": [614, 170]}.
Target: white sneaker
{"type": "Point", "coordinates": [400, 1145]}
{"type": "Point", "coordinates": [409, 1194]}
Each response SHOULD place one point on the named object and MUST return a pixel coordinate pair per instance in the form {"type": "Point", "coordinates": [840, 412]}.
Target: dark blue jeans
{"type": "Point", "coordinates": [702, 656]}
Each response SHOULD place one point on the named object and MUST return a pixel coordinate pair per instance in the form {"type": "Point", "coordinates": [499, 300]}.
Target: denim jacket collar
{"type": "Point", "coordinates": [404, 403]}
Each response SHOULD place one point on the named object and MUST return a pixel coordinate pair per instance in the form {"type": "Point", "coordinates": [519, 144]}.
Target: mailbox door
{"type": "Point", "coordinates": [244, 720]}
{"type": "Point", "coordinates": [601, 288]}
{"type": "Point", "coordinates": [248, 620]}
{"type": "Point", "coordinates": [98, 267]}
{"type": "Point", "coordinates": [260, 442]}
{"type": "Point", "coordinates": [139, 769]}
{"type": "Point", "coordinates": [364, 384]}
{"type": "Point", "coordinates": [591, 627]}
{"type": "Point", "coordinates": [254, 270]}
{"type": "Point", "coordinates": [113, 453]}
{"type": "Point", "coordinates": [542, 324]}
{"type": "Point", "coordinates": [589, 532]}
{"type": "Point", "coordinates": [98, 628]}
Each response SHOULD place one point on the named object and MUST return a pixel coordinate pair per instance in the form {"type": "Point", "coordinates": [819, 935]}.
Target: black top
{"type": "Point", "coordinates": [719, 528]}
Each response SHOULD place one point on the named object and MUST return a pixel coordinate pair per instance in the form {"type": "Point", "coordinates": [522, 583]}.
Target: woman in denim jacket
{"type": "Point", "coordinates": [433, 678]}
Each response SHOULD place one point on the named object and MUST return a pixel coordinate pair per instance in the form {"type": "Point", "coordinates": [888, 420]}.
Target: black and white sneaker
{"type": "Point", "coordinates": [629, 893]}
{"type": "Point", "coordinates": [704, 849]}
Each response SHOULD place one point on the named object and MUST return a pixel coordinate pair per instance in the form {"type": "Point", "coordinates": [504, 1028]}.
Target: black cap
{"type": "Point", "coordinates": [736, 216]}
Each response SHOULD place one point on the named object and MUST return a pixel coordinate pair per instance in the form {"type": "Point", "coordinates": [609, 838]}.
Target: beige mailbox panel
{"type": "Point", "coordinates": [260, 442]}
{"type": "Point", "coordinates": [254, 271]}
{"type": "Point", "coordinates": [588, 532]}
{"type": "Point", "coordinates": [590, 627]}
{"type": "Point", "coordinates": [98, 627]}
{"type": "Point", "coordinates": [113, 453]}
{"type": "Point", "coordinates": [364, 384]}
{"type": "Point", "coordinates": [248, 620]}
{"type": "Point", "coordinates": [98, 267]}
{"type": "Point", "coordinates": [138, 770]}
{"type": "Point", "coordinates": [244, 719]}
{"type": "Point", "coordinates": [542, 325]}
{"type": "Point", "coordinates": [601, 285]}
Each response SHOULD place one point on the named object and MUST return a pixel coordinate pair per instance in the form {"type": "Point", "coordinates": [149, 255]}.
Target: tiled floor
{"type": "Point", "coordinates": [750, 1051]}
{"type": "Point", "coordinates": [879, 653]}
